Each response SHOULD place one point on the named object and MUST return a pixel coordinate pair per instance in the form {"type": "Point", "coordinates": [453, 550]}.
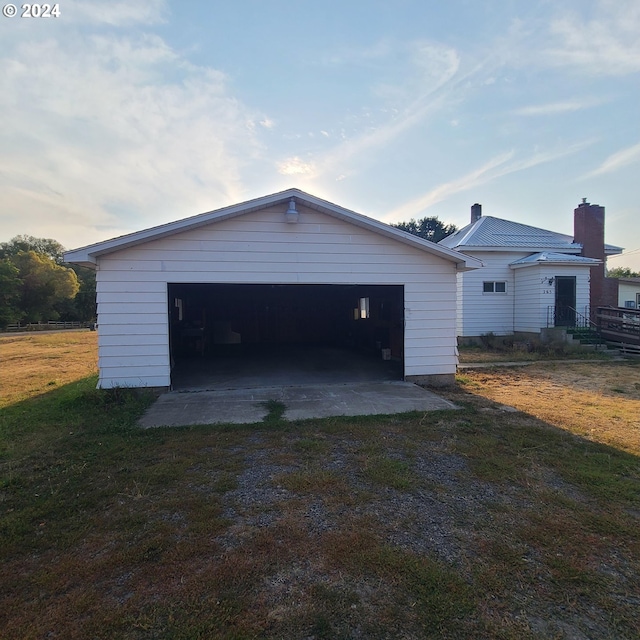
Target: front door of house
{"type": "Point", "coordinates": [565, 301]}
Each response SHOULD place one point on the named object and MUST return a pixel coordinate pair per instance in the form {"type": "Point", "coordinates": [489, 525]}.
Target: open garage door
{"type": "Point", "coordinates": [226, 335]}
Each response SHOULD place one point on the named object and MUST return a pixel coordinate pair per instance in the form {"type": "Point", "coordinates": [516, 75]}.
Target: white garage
{"type": "Point", "coordinates": [288, 270]}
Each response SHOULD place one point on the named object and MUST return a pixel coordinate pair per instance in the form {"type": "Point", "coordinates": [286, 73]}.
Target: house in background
{"type": "Point", "coordinates": [287, 268]}
{"type": "Point", "coordinates": [629, 293]}
{"type": "Point", "coordinates": [532, 279]}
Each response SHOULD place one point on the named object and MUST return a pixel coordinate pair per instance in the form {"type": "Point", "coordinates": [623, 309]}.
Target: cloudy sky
{"type": "Point", "coordinates": [123, 115]}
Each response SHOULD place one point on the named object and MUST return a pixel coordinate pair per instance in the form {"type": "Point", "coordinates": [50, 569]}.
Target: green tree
{"type": "Point", "coordinates": [83, 307]}
{"type": "Point", "coordinates": [9, 293]}
{"type": "Point", "coordinates": [430, 228]}
{"type": "Point", "coordinates": [45, 246]}
{"type": "Point", "coordinates": [43, 285]}
{"type": "Point", "coordinates": [622, 272]}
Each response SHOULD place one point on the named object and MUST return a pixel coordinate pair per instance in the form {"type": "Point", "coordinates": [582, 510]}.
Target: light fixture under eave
{"type": "Point", "coordinates": [292, 214]}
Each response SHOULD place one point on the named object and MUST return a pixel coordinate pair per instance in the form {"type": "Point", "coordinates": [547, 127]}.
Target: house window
{"type": "Point", "coordinates": [494, 286]}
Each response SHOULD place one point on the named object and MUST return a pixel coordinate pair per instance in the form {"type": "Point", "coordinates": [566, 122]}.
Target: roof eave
{"type": "Point", "coordinates": [88, 255]}
{"type": "Point", "coordinates": [520, 249]}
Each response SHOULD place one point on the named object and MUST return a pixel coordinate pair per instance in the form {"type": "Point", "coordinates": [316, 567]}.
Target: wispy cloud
{"type": "Point", "coordinates": [555, 108]}
{"type": "Point", "coordinates": [121, 127]}
{"type": "Point", "coordinates": [606, 44]}
{"type": "Point", "coordinates": [499, 166]}
{"type": "Point", "coordinates": [295, 166]}
{"type": "Point", "coordinates": [482, 174]}
{"type": "Point", "coordinates": [616, 161]}
{"type": "Point", "coordinates": [431, 76]}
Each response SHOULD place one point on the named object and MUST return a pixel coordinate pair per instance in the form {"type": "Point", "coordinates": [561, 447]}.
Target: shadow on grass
{"type": "Point", "coordinates": [321, 528]}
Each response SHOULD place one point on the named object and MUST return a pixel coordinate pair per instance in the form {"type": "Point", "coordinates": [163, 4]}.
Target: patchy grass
{"type": "Point", "coordinates": [275, 411]}
{"type": "Point", "coordinates": [505, 350]}
{"type": "Point", "coordinates": [478, 523]}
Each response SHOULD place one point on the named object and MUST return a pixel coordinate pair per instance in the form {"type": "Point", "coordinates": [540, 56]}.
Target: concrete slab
{"type": "Point", "coordinates": [244, 406]}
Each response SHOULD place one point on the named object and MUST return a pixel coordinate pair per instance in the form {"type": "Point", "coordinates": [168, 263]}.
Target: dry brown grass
{"type": "Point", "coordinates": [599, 401]}
{"type": "Point", "coordinates": [35, 363]}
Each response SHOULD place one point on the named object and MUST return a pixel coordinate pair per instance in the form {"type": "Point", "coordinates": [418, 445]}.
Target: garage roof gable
{"type": "Point", "coordinates": [89, 255]}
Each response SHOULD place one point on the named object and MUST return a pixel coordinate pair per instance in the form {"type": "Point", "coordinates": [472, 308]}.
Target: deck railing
{"type": "Point", "coordinates": [618, 324]}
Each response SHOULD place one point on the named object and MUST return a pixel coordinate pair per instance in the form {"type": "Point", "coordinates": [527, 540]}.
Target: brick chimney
{"type": "Point", "coordinates": [476, 212]}
{"type": "Point", "coordinates": [588, 230]}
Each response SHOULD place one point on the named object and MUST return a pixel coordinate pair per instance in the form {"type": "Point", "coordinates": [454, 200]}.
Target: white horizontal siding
{"type": "Point", "coordinates": [127, 340]}
{"type": "Point", "coordinates": [583, 288]}
{"type": "Point", "coordinates": [312, 253]}
{"type": "Point", "coordinates": [127, 284]}
{"type": "Point", "coordinates": [133, 371]}
{"type": "Point", "coordinates": [535, 295]}
{"type": "Point", "coordinates": [260, 248]}
{"type": "Point", "coordinates": [132, 313]}
{"type": "Point", "coordinates": [109, 327]}
{"type": "Point", "coordinates": [627, 291]}
{"type": "Point", "coordinates": [138, 297]}
{"type": "Point", "coordinates": [130, 361]}
{"type": "Point", "coordinates": [133, 350]}
{"type": "Point", "coordinates": [280, 267]}
{"type": "Point", "coordinates": [110, 378]}
{"type": "Point", "coordinates": [488, 312]}
{"type": "Point", "coordinates": [435, 312]}
{"type": "Point", "coordinates": [530, 300]}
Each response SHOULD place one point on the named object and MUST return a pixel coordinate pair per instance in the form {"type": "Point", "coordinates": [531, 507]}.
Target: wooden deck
{"type": "Point", "coordinates": [619, 325]}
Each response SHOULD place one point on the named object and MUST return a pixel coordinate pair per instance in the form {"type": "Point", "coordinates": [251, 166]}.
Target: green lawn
{"type": "Point", "coordinates": [479, 523]}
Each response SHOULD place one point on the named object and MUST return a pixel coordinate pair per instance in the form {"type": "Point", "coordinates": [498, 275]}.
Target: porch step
{"type": "Point", "coordinates": [585, 338]}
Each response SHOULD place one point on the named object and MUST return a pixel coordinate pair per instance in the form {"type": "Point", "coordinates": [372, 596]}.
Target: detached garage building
{"type": "Point", "coordinates": [285, 269]}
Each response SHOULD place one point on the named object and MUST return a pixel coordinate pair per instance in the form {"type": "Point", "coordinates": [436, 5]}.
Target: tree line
{"type": "Point", "coordinates": [37, 286]}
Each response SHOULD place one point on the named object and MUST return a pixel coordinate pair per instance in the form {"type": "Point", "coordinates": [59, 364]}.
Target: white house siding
{"type": "Point", "coordinates": [460, 304]}
{"type": "Point", "coordinates": [535, 296]}
{"type": "Point", "coordinates": [628, 291]}
{"type": "Point", "coordinates": [480, 312]}
{"type": "Point", "coordinates": [261, 248]}
{"type": "Point", "coordinates": [531, 299]}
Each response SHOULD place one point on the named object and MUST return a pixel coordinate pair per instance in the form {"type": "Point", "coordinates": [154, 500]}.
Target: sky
{"type": "Point", "coordinates": [119, 116]}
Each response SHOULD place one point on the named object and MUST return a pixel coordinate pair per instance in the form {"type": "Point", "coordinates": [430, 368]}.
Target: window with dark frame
{"type": "Point", "coordinates": [494, 286]}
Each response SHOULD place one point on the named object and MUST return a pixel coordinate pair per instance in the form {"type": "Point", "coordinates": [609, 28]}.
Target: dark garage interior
{"type": "Point", "coordinates": [230, 335]}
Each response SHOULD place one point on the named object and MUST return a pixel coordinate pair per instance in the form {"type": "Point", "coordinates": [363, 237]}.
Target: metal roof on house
{"type": "Point", "coordinates": [489, 233]}
{"type": "Point", "coordinates": [549, 257]}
